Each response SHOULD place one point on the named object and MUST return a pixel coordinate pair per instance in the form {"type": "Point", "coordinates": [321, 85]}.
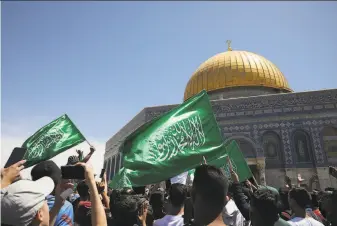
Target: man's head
{"type": "Point", "coordinates": [299, 198]}
{"type": "Point", "coordinates": [24, 202]}
{"type": "Point", "coordinates": [46, 169]}
{"type": "Point", "coordinates": [83, 189]}
{"type": "Point", "coordinates": [72, 160]}
{"type": "Point", "coordinates": [129, 208]}
{"type": "Point", "coordinates": [209, 191]}
{"type": "Point", "coordinates": [328, 201]}
{"type": "Point", "coordinates": [284, 199]}
{"type": "Point", "coordinates": [177, 195]}
{"type": "Point", "coordinates": [264, 207]}
{"type": "Point", "coordinates": [157, 199]}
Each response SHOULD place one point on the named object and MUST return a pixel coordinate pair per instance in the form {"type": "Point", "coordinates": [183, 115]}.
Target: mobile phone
{"type": "Point", "coordinates": [102, 173]}
{"type": "Point", "coordinates": [72, 172]}
{"type": "Point", "coordinates": [65, 194]}
{"type": "Point", "coordinates": [16, 156]}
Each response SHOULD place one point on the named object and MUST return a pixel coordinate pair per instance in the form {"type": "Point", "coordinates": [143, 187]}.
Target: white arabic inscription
{"type": "Point", "coordinates": [187, 134]}
{"type": "Point", "coordinates": [37, 148]}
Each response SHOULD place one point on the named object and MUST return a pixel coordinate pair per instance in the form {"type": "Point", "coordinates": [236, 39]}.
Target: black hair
{"type": "Point", "coordinates": [82, 189]}
{"type": "Point", "coordinates": [209, 191]}
{"type": "Point", "coordinates": [72, 160]}
{"type": "Point", "coordinates": [188, 190]}
{"type": "Point", "coordinates": [301, 196]}
{"type": "Point", "coordinates": [157, 202]}
{"type": "Point", "coordinates": [149, 217]}
{"type": "Point", "coordinates": [178, 194]}
{"type": "Point", "coordinates": [284, 199]}
{"type": "Point", "coordinates": [157, 198]}
{"type": "Point", "coordinates": [128, 208]}
{"type": "Point", "coordinates": [329, 189]}
{"type": "Point", "coordinates": [314, 200]}
{"type": "Point", "coordinates": [265, 202]}
{"type": "Point", "coordinates": [230, 191]}
{"type": "Point", "coordinates": [46, 169]}
{"type": "Point", "coordinates": [114, 197]}
{"type": "Point", "coordinates": [139, 190]}
{"type": "Point", "coordinates": [127, 191]}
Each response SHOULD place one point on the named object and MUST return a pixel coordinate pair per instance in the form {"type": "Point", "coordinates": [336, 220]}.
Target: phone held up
{"type": "Point", "coordinates": [16, 156]}
{"type": "Point", "coordinates": [73, 172]}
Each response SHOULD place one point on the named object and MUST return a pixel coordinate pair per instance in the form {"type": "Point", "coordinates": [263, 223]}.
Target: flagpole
{"type": "Point", "coordinates": [88, 142]}
{"type": "Point", "coordinates": [257, 185]}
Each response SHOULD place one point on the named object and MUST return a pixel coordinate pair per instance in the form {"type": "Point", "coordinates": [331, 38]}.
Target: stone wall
{"type": "Point", "coordinates": [249, 119]}
{"type": "Point", "coordinates": [275, 177]}
{"type": "Point", "coordinates": [236, 92]}
{"type": "Point", "coordinates": [112, 145]}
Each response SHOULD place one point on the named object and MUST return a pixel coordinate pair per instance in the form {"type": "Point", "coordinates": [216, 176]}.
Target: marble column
{"type": "Point", "coordinates": [261, 167]}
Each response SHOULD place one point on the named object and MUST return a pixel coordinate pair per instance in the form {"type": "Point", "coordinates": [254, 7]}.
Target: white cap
{"type": "Point", "coordinates": [21, 200]}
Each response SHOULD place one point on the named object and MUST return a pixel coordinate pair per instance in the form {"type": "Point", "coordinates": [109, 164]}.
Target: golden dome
{"type": "Point", "coordinates": [235, 69]}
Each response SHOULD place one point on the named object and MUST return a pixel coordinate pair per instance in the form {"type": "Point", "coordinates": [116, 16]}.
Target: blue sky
{"type": "Point", "coordinates": [103, 62]}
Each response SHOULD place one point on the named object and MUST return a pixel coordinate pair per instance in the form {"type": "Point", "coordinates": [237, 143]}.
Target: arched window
{"type": "Point", "coordinates": [246, 147]}
{"type": "Point", "coordinates": [302, 146]}
{"type": "Point", "coordinates": [271, 145]}
{"type": "Point", "coordinates": [330, 144]}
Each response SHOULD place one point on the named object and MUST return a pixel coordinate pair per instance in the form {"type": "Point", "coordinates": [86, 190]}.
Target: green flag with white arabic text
{"type": "Point", "coordinates": [51, 140]}
{"type": "Point", "coordinates": [170, 144]}
{"type": "Point", "coordinates": [239, 164]}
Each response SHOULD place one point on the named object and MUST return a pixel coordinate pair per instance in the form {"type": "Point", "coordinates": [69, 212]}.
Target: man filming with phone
{"type": "Point", "coordinates": [48, 168]}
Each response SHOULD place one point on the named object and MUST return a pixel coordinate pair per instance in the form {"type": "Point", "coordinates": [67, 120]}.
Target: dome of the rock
{"type": "Point", "coordinates": [236, 69]}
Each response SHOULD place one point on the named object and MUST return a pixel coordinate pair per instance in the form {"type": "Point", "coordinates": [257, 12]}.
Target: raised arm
{"type": "Point", "coordinates": [98, 217]}
{"type": "Point", "coordinates": [238, 195]}
{"type": "Point", "coordinates": [12, 173]}
{"type": "Point", "coordinates": [86, 159]}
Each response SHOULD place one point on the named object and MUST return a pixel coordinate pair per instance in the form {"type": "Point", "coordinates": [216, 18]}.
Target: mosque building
{"type": "Point", "coordinates": [280, 132]}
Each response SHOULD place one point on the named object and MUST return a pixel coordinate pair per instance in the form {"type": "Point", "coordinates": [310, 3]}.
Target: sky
{"type": "Point", "coordinates": [103, 62]}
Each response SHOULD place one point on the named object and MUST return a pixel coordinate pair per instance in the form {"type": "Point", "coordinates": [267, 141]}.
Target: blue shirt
{"type": "Point", "coordinates": [66, 214]}
{"type": "Point", "coordinates": [73, 197]}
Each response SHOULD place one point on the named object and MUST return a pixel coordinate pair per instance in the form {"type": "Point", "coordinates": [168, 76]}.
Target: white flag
{"type": "Point", "coordinates": [181, 179]}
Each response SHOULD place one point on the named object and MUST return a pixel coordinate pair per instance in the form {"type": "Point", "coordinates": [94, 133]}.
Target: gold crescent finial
{"type": "Point", "coordinates": [229, 45]}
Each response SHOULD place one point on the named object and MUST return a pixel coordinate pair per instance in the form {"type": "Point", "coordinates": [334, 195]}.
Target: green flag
{"type": "Point", "coordinates": [171, 144]}
{"type": "Point", "coordinates": [51, 140]}
{"type": "Point", "coordinates": [239, 163]}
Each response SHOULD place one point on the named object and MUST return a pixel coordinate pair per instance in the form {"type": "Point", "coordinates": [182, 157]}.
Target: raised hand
{"type": "Point", "coordinates": [143, 213]}
{"type": "Point", "coordinates": [10, 174]}
{"type": "Point", "coordinates": [92, 149]}
{"type": "Point", "coordinates": [234, 175]}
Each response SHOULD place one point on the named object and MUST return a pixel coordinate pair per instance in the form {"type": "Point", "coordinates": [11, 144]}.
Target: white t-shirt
{"type": "Point", "coordinates": [308, 221]}
{"type": "Point", "coordinates": [170, 220]}
{"type": "Point", "coordinates": [232, 216]}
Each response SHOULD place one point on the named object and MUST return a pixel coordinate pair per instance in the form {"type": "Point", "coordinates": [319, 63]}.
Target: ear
{"type": "Point", "coordinates": [227, 198]}
{"type": "Point", "coordinates": [39, 215]}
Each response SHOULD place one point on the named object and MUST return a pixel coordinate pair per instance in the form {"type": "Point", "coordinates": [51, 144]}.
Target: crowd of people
{"type": "Point", "coordinates": [213, 199]}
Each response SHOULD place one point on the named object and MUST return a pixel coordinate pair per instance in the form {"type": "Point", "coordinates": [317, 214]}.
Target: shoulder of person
{"type": "Point", "coordinates": [314, 222]}
{"type": "Point", "coordinates": [50, 198]}
{"type": "Point", "coordinates": [68, 204]}
{"type": "Point", "coordinates": [281, 222]}
{"type": "Point", "coordinates": [156, 222]}
{"type": "Point", "coordinates": [67, 207]}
